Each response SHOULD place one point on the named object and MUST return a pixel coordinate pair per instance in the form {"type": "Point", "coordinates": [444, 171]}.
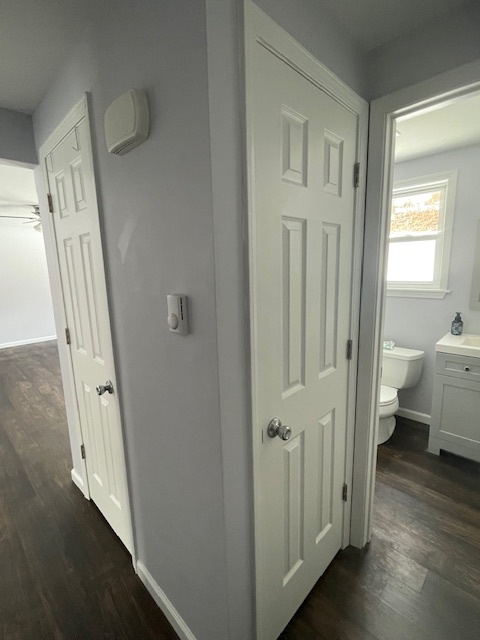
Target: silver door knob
{"type": "Point", "coordinates": [275, 428]}
{"type": "Point", "coordinates": [108, 386]}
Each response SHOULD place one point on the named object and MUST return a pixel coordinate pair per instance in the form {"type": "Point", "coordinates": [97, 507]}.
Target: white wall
{"type": "Point", "coordinates": [444, 44]}
{"type": "Point", "coordinates": [26, 313]}
{"type": "Point", "coordinates": [419, 323]}
{"type": "Point", "coordinates": [16, 137]}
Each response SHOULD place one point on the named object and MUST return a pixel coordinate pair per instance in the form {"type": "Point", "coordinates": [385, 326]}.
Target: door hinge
{"type": "Point", "coordinates": [82, 451]}
{"type": "Point", "coordinates": [345, 492]}
{"type": "Point", "coordinates": [349, 349]}
{"type": "Point", "coordinates": [68, 339]}
{"type": "Point", "coordinates": [50, 202]}
{"type": "Point", "coordinates": [356, 174]}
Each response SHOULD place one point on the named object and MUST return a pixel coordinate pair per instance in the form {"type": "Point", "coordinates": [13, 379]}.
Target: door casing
{"type": "Point", "coordinates": [259, 28]}
{"type": "Point", "coordinates": [383, 112]}
{"type": "Point", "coordinates": [79, 472]}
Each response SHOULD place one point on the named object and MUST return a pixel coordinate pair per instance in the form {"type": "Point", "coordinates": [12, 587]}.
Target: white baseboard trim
{"type": "Point", "coordinates": [424, 418]}
{"type": "Point", "coordinates": [172, 615]}
{"type": "Point", "coordinates": [78, 480]}
{"type": "Point", "coordinates": [19, 343]}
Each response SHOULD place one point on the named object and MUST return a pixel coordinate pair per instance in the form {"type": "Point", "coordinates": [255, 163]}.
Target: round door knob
{"type": "Point", "coordinates": [108, 386]}
{"type": "Point", "coordinates": [276, 428]}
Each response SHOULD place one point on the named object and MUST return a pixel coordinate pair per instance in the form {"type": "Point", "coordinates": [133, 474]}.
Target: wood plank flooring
{"type": "Point", "coordinates": [419, 578]}
{"type": "Point", "coordinates": [65, 576]}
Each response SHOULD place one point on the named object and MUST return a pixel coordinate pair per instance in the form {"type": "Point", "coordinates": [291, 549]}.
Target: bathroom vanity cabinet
{"type": "Point", "coordinates": [455, 425]}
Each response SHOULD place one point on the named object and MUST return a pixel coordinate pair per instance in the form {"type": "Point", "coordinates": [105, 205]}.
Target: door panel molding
{"type": "Point", "coordinates": [261, 30]}
{"type": "Point", "coordinates": [93, 297]}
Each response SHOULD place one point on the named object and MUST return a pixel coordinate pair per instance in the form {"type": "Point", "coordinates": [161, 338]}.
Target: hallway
{"type": "Point", "coordinates": [65, 575]}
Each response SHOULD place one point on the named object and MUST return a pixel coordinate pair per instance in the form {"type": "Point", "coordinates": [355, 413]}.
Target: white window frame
{"type": "Point", "coordinates": [438, 287]}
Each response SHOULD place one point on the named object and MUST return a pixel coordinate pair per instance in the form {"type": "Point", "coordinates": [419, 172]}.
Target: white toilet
{"type": "Point", "coordinates": [401, 368]}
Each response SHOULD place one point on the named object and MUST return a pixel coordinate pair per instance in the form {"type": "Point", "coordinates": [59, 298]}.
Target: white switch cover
{"type": "Point", "coordinates": [177, 313]}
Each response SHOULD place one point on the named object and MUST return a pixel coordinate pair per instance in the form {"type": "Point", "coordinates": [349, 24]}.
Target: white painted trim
{"type": "Point", "coordinates": [19, 343]}
{"type": "Point", "coordinates": [453, 84]}
{"type": "Point", "coordinates": [438, 294]}
{"type": "Point", "coordinates": [76, 113]}
{"type": "Point", "coordinates": [262, 29]}
{"type": "Point", "coordinates": [259, 28]}
{"type": "Point", "coordinates": [161, 599]}
{"type": "Point", "coordinates": [78, 481]}
{"type": "Point", "coordinates": [424, 418]}
{"type": "Point", "coordinates": [475, 286]}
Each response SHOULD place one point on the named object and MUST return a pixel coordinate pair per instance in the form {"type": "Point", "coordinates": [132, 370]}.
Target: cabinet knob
{"type": "Point", "coordinates": [467, 369]}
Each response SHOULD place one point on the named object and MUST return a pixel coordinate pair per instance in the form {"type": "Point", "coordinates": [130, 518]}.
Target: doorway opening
{"type": "Point", "coordinates": [385, 114]}
{"type": "Point", "coordinates": [27, 311]}
{"type": "Point", "coordinates": [431, 266]}
{"type": "Point", "coordinates": [32, 410]}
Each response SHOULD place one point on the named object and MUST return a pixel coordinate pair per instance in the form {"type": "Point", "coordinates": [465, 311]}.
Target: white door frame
{"type": "Point", "coordinates": [427, 94]}
{"type": "Point", "coordinates": [259, 28]}
{"type": "Point", "coordinates": [78, 112]}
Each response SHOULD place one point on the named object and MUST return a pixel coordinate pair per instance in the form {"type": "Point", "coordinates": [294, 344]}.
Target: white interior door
{"type": "Point", "coordinates": [304, 152]}
{"type": "Point", "coordinates": [71, 183]}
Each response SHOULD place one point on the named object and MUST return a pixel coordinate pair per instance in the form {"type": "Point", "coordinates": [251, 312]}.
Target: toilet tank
{"type": "Point", "coordinates": [401, 368]}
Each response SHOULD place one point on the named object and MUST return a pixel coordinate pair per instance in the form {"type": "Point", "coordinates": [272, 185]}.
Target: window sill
{"type": "Point", "coordinates": [439, 294]}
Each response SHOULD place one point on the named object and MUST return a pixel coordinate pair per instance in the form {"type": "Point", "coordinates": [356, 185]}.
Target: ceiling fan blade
{"type": "Point", "coordinates": [17, 205]}
{"type": "Point", "coordinates": [19, 217]}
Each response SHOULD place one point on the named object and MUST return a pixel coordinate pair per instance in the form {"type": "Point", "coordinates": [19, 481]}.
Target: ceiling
{"type": "Point", "coordinates": [374, 22]}
{"type": "Point", "coordinates": [37, 35]}
{"type": "Point", "coordinates": [17, 192]}
{"type": "Point", "coordinates": [446, 127]}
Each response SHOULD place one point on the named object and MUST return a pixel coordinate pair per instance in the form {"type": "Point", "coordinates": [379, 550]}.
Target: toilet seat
{"type": "Point", "coordinates": [388, 401]}
{"type": "Point", "coordinates": [388, 407]}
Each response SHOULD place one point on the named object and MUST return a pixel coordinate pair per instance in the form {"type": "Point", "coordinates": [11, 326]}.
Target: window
{"type": "Point", "coordinates": [420, 236]}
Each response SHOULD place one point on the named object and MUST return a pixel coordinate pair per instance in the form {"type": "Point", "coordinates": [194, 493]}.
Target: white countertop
{"type": "Point", "coordinates": [467, 344]}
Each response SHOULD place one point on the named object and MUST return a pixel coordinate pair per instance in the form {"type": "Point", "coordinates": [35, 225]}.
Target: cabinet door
{"type": "Point", "coordinates": [456, 416]}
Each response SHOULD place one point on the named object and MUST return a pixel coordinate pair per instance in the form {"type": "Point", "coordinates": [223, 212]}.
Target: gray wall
{"type": "Point", "coordinates": [179, 199]}
{"type": "Point", "coordinates": [446, 43]}
{"type": "Point", "coordinates": [16, 137]}
{"type": "Point", "coordinates": [419, 322]}
{"type": "Point", "coordinates": [158, 197]}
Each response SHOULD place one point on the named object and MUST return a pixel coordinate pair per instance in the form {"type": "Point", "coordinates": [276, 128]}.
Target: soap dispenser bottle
{"type": "Point", "coordinates": [457, 325]}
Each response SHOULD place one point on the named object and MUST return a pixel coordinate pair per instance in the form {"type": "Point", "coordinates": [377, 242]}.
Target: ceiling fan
{"type": "Point", "coordinates": [31, 218]}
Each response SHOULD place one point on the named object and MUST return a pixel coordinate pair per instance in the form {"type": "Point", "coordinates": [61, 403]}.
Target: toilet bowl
{"type": "Point", "coordinates": [388, 409]}
{"type": "Point", "coordinates": [401, 368]}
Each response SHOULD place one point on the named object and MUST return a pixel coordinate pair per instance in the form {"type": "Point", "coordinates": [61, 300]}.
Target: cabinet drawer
{"type": "Point", "coordinates": [458, 366]}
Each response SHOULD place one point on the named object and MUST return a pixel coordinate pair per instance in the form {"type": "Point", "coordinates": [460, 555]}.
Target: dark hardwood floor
{"type": "Point", "coordinates": [419, 578]}
{"type": "Point", "coordinates": [65, 576]}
